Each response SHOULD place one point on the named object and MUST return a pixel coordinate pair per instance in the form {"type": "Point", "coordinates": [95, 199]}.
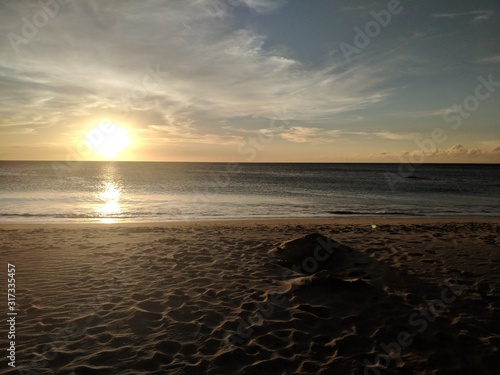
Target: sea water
{"type": "Point", "coordinates": [44, 191]}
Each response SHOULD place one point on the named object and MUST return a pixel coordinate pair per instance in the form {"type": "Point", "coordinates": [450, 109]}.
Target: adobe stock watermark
{"type": "Point", "coordinates": [419, 321]}
{"type": "Point", "coordinates": [459, 112]}
{"type": "Point", "coordinates": [428, 146]}
{"type": "Point", "coordinates": [372, 29]}
{"type": "Point", "coordinates": [30, 28]}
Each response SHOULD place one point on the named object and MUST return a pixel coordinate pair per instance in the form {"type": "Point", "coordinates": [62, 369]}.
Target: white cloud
{"type": "Point", "coordinates": [462, 153]}
{"type": "Point", "coordinates": [185, 133]}
{"type": "Point", "coordinates": [300, 134]}
{"type": "Point", "coordinates": [459, 153]}
{"type": "Point", "coordinates": [491, 144]}
{"type": "Point", "coordinates": [358, 7]}
{"type": "Point", "coordinates": [455, 154]}
{"type": "Point", "coordinates": [477, 15]}
{"type": "Point", "coordinates": [396, 136]}
{"type": "Point", "coordinates": [489, 60]}
{"type": "Point", "coordinates": [263, 6]}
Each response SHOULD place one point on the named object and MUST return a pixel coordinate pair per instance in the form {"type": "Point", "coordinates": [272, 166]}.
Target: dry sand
{"type": "Point", "coordinates": [245, 298]}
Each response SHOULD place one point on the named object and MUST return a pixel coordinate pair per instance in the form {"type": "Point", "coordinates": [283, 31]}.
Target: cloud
{"type": "Point", "coordinates": [207, 70]}
{"type": "Point", "coordinates": [23, 129]}
{"type": "Point", "coordinates": [357, 8]}
{"type": "Point", "coordinates": [262, 6]}
{"type": "Point", "coordinates": [396, 136]}
{"type": "Point", "coordinates": [477, 15]}
{"type": "Point", "coordinates": [224, 8]}
{"type": "Point", "coordinates": [461, 154]}
{"type": "Point", "coordinates": [185, 133]}
{"type": "Point", "coordinates": [494, 143]}
{"type": "Point", "coordinates": [493, 60]}
{"type": "Point", "coordinates": [455, 154]}
{"type": "Point", "coordinates": [218, 76]}
{"type": "Point", "coordinates": [300, 134]}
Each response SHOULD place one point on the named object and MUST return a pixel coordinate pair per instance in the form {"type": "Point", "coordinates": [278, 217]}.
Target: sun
{"type": "Point", "coordinates": [108, 140]}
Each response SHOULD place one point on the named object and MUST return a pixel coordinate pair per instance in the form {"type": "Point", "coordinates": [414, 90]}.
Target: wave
{"type": "Point", "coordinates": [69, 216]}
{"type": "Point", "coordinates": [169, 216]}
{"type": "Point", "coordinates": [401, 213]}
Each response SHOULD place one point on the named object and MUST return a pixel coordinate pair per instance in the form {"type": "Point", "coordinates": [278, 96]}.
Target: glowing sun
{"type": "Point", "coordinates": [108, 139]}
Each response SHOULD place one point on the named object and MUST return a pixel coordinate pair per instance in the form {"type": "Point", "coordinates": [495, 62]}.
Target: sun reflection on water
{"type": "Point", "coordinates": [110, 195]}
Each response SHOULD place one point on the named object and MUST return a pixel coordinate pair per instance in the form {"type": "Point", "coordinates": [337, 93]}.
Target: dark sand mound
{"type": "Point", "coordinates": [332, 262]}
{"type": "Point", "coordinates": [379, 317]}
{"type": "Point", "coordinates": [295, 251]}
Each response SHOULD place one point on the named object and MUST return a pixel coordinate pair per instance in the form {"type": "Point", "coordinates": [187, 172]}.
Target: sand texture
{"type": "Point", "coordinates": [317, 297]}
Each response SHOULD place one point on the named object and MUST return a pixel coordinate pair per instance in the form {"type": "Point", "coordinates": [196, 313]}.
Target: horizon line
{"type": "Point", "coordinates": [241, 162]}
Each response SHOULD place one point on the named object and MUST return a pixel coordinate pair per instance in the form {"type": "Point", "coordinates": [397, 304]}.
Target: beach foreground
{"type": "Point", "coordinates": [264, 297]}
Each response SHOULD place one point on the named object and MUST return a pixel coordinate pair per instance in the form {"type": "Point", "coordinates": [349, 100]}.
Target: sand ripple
{"type": "Point", "coordinates": [256, 299]}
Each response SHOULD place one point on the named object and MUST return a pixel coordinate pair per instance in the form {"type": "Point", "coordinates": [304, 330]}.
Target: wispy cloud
{"type": "Point", "coordinates": [18, 129]}
{"type": "Point", "coordinates": [207, 74]}
{"type": "Point", "coordinates": [491, 144]}
{"type": "Point", "coordinates": [476, 15]}
{"type": "Point", "coordinates": [396, 136]}
{"type": "Point", "coordinates": [356, 8]}
{"type": "Point", "coordinates": [495, 59]}
{"type": "Point", "coordinates": [186, 133]}
{"type": "Point", "coordinates": [459, 152]}
{"type": "Point", "coordinates": [263, 6]}
{"type": "Point", "coordinates": [224, 8]}
{"type": "Point", "coordinates": [455, 154]}
{"type": "Point", "coordinates": [300, 134]}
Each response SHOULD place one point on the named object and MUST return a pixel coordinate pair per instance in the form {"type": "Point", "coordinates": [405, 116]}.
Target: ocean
{"type": "Point", "coordinates": [113, 192]}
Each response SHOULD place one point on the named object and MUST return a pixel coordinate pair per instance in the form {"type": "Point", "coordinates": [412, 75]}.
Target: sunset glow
{"type": "Point", "coordinates": [108, 140]}
{"type": "Point", "coordinates": [251, 81]}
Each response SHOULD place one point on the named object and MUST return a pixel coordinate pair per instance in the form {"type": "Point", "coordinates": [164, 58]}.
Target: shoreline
{"type": "Point", "coordinates": [365, 220]}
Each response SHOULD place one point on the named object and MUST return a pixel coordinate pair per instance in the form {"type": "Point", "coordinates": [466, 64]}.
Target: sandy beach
{"type": "Point", "coordinates": [346, 296]}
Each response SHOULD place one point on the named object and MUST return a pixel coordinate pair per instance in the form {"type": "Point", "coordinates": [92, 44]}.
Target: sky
{"type": "Point", "coordinates": [250, 80]}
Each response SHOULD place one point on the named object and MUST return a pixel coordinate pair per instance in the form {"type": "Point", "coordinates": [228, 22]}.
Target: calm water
{"type": "Point", "coordinates": [125, 191]}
